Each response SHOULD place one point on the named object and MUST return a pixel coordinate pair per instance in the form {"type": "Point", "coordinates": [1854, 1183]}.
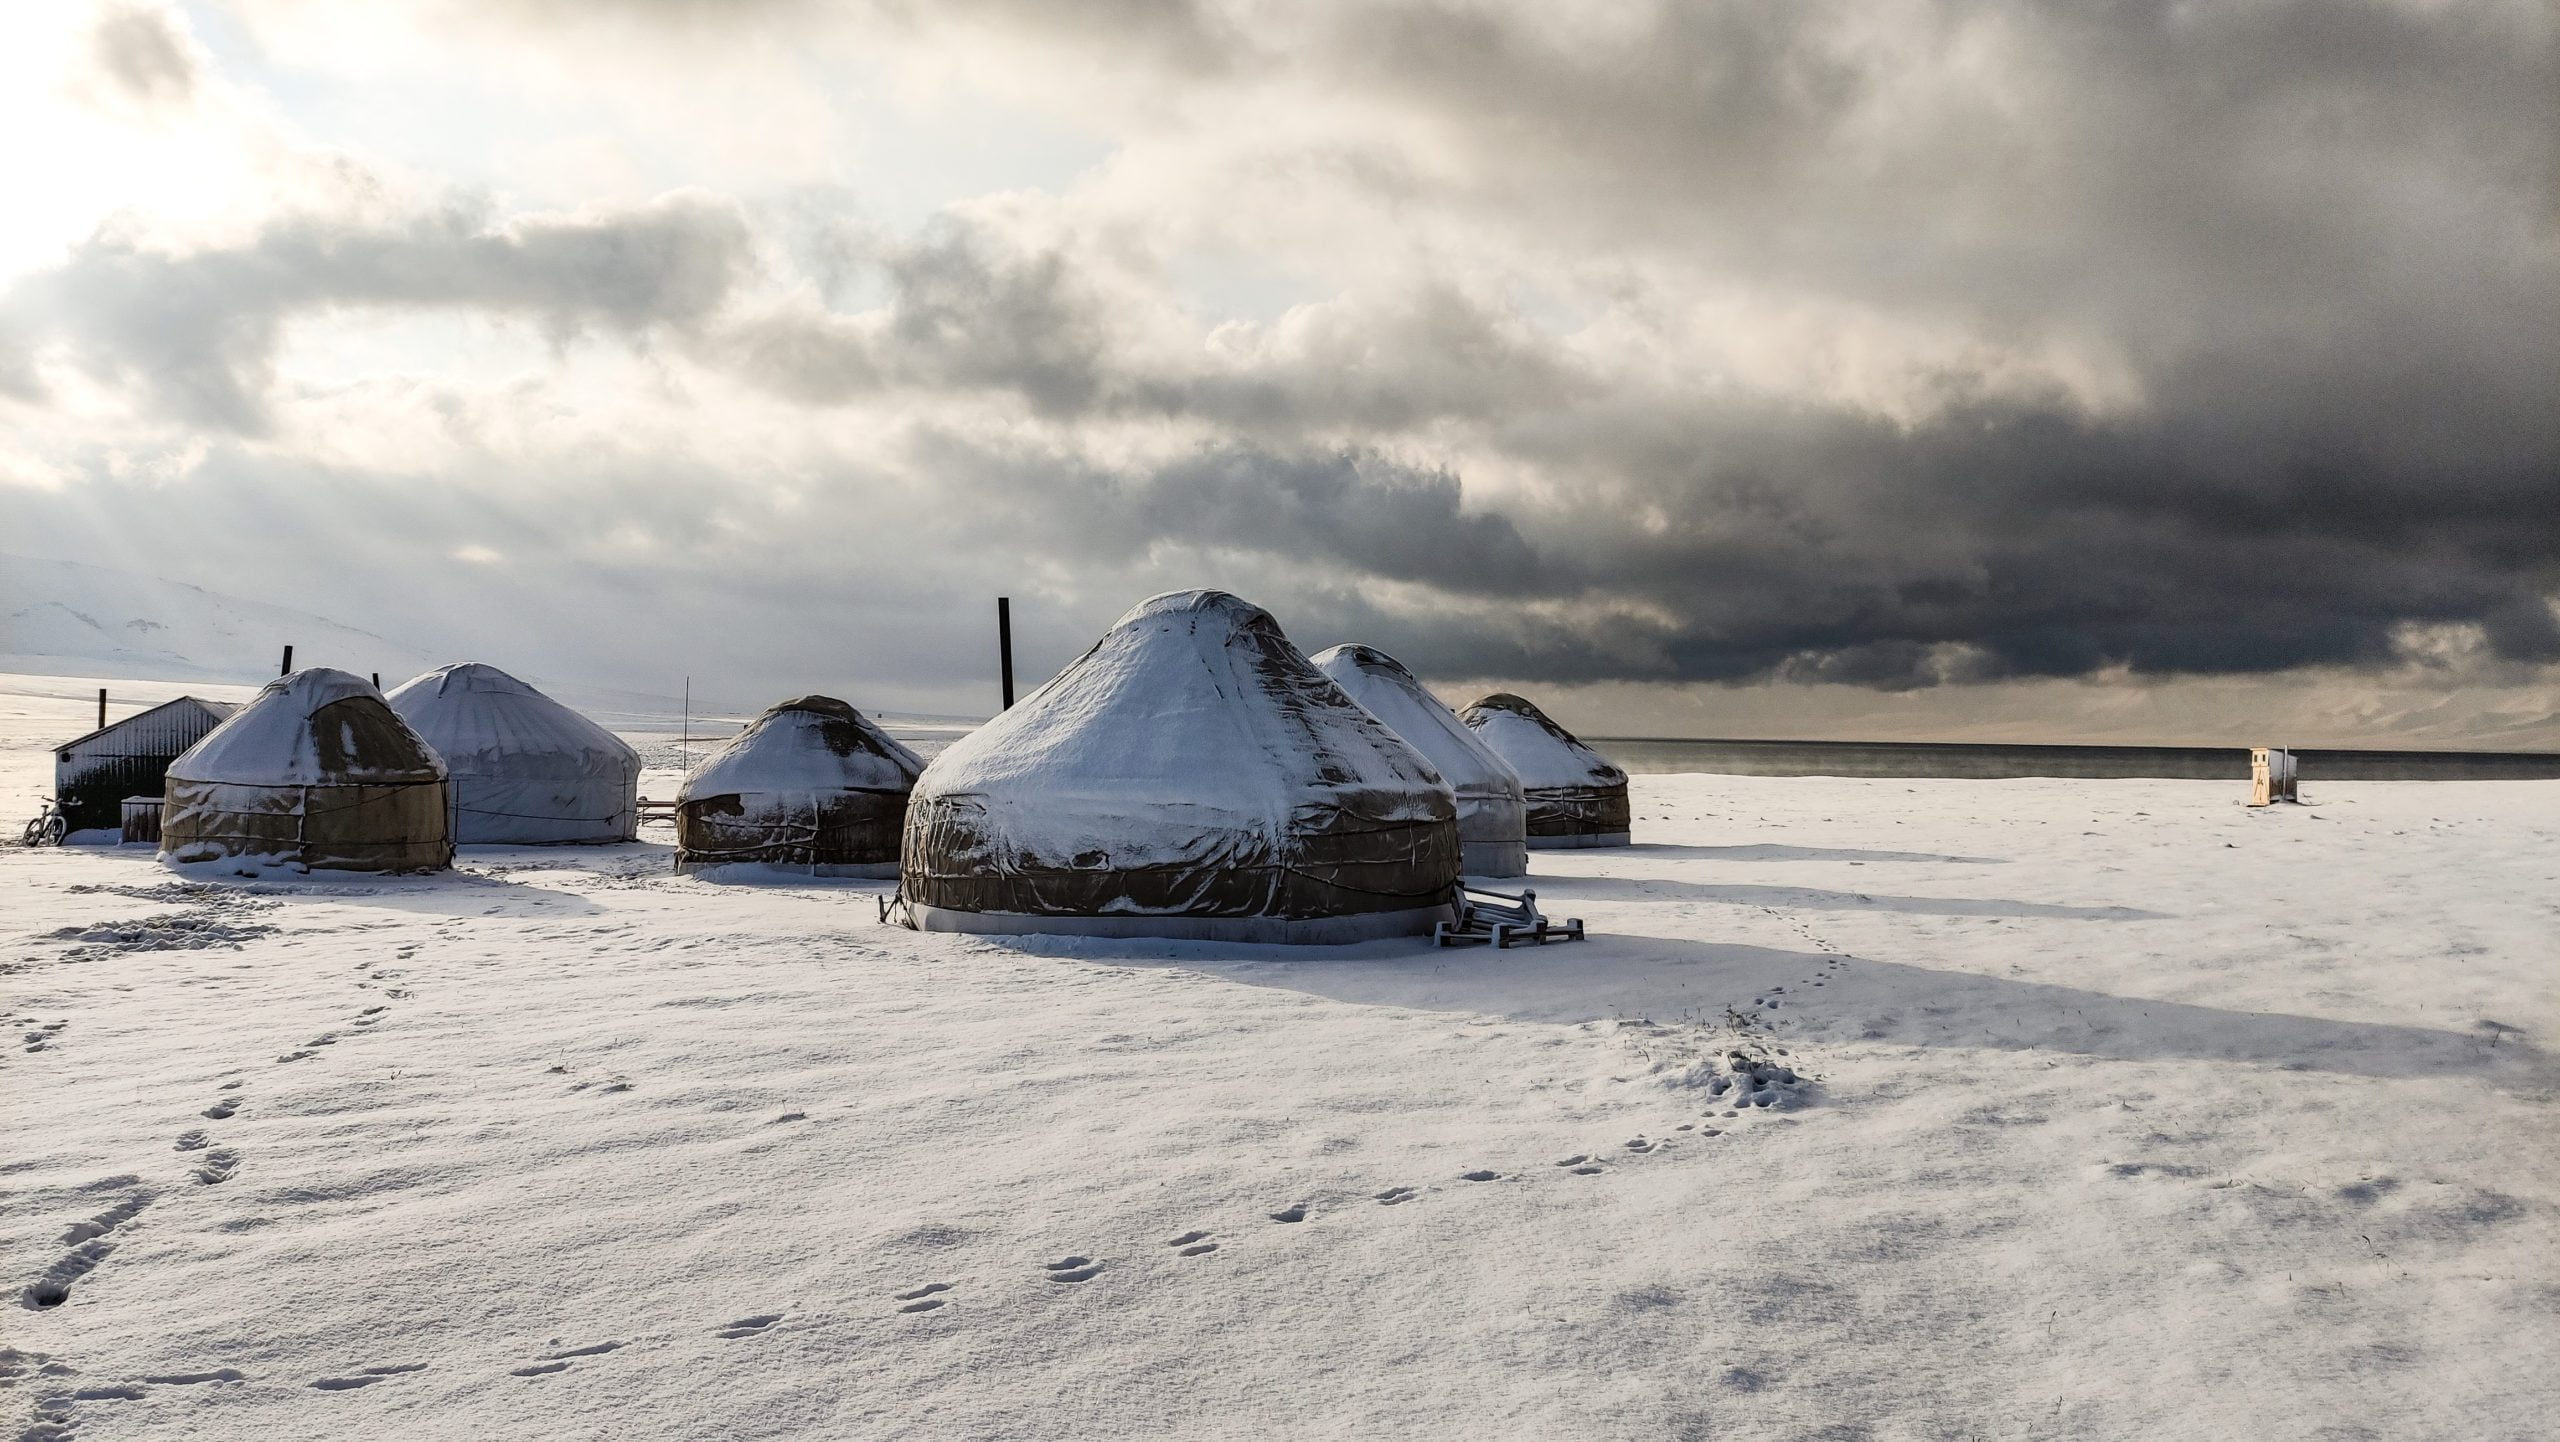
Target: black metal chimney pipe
{"type": "Point", "coordinates": [1004, 645]}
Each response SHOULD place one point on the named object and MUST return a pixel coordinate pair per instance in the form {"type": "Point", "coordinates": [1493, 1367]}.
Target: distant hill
{"type": "Point", "coordinates": [64, 618]}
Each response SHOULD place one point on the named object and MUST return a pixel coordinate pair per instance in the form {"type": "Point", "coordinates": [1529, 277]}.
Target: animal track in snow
{"type": "Point", "coordinates": [291, 1056]}
{"type": "Point", "coordinates": [223, 1110]}
{"type": "Point", "coordinates": [1478, 1176]}
{"type": "Point", "coordinates": [190, 1379]}
{"type": "Point", "coordinates": [1193, 1244]}
{"type": "Point", "coordinates": [1293, 1213]}
{"type": "Point", "coordinates": [539, 1369]}
{"type": "Point", "coordinates": [922, 1299]}
{"type": "Point", "coordinates": [1394, 1195]}
{"type": "Point", "coordinates": [218, 1166]}
{"type": "Point", "coordinates": [88, 1246]}
{"type": "Point", "coordinates": [748, 1326]}
{"type": "Point", "coordinates": [596, 1350]}
{"type": "Point", "coordinates": [346, 1384]}
{"type": "Point", "coordinates": [1072, 1269]}
{"type": "Point", "coordinates": [193, 1140]}
{"type": "Point", "coordinates": [1642, 1145]}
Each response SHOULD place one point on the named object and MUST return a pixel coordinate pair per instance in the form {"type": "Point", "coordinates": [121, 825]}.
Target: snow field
{"type": "Point", "coordinates": [2121, 1111]}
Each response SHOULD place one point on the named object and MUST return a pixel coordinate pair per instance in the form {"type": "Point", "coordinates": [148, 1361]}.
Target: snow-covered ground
{"type": "Point", "coordinates": [2128, 1112]}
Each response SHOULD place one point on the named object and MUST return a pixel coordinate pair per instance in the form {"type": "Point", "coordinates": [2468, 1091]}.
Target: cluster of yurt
{"type": "Point", "coordinates": [320, 771]}
{"type": "Point", "coordinates": [1194, 775]}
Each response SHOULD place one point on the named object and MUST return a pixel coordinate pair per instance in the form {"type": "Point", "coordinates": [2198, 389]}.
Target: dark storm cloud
{"type": "Point", "coordinates": [2319, 242]}
{"type": "Point", "coordinates": [196, 333]}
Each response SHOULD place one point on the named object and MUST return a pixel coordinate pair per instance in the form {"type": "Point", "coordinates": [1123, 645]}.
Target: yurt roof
{"type": "Point", "coordinates": [1193, 710]}
{"type": "Point", "coordinates": [1386, 690]}
{"type": "Point", "coordinates": [809, 743]}
{"type": "Point", "coordinates": [1544, 753]}
{"type": "Point", "coordinates": [317, 727]}
{"type": "Point", "coordinates": [484, 721]}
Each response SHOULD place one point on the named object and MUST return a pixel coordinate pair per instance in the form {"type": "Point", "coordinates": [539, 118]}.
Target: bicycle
{"type": "Point", "coordinates": [47, 829]}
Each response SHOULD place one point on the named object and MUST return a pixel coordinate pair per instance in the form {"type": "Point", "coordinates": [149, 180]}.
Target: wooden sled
{"type": "Point", "coordinates": [1501, 919]}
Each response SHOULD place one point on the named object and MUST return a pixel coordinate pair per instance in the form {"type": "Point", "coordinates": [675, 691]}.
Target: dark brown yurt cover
{"type": "Point", "coordinates": [811, 786]}
{"type": "Point", "coordinates": [1193, 775]}
{"type": "Point", "coordinates": [1577, 797]}
{"type": "Point", "coordinates": [315, 772]}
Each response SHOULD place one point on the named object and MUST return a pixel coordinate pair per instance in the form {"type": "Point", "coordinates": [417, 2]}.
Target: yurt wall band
{"type": "Point", "coordinates": [1492, 811]}
{"type": "Point", "coordinates": [526, 770]}
{"type": "Point", "coordinates": [1191, 776]}
{"type": "Point", "coordinates": [1577, 797]}
{"type": "Point", "coordinates": [316, 772]}
{"type": "Point", "coordinates": [812, 787]}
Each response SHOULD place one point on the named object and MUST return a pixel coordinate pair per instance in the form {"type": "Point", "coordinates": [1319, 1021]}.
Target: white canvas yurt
{"type": "Point", "coordinates": [1577, 797]}
{"type": "Point", "coordinates": [316, 771]}
{"type": "Point", "coordinates": [1492, 813]}
{"type": "Point", "coordinates": [526, 770]}
{"type": "Point", "coordinates": [811, 786]}
{"type": "Point", "coordinates": [1193, 775]}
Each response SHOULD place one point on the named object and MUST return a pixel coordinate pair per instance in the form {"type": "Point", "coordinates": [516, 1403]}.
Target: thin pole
{"type": "Point", "coordinates": [102, 708]}
{"type": "Point", "coordinates": [1004, 645]}
{"type": "Point", "coordinates": [288, 662]}
{"type": "Point", "coordinates": [684, 741]}
{"type": "Point", "coordinates": [377, 680]}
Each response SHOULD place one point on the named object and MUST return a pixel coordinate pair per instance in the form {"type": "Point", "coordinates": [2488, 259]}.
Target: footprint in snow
{"type": "Point", "coordinates": [748, 1326]}
{"type": "Point", "coordinates": [223, 1110]}
{"type": "Point", "coordinates": [559, 1361]}
{"type": "Point", "coordinates": [1297, 1213]}
{"type": "Point", "coordinates": [218, 1166]}
{"type": "Point", "coordinates": [1642, 1145]}
{"type": "Point", "coordinates": [1193, 1244]}
{"type": "Point", "coordinates": [1478, 1176]}
{"type": "Point", "coordinates": [193, 1140]}
{"type": "Point", "coordinates": [1394, 1195]}
{"type": "Point", "coordinates": [1072, 1269]}
{"type": "Point", "coordinates": [290, 1056]}
{"type": "Point", "coordinates": [923, 1299]}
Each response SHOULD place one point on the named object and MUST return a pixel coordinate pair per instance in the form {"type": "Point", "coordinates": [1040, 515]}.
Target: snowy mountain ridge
{"type": "Point", "coordinates": [64, 617]}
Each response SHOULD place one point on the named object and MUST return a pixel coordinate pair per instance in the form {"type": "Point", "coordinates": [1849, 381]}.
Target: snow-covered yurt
{"type": "Point", "coordinates": [811, 786]}
{"type": "Point", "coordinates": [316, 771]}
{"type": "Point", "coordinates": [526, 770]}
{"type": "Point", "coordinates": [1492, 813]}
{"type": "Point", "coordinates": [1577, 797]}
{"type": "Point", "coordinates": [1193, 775]}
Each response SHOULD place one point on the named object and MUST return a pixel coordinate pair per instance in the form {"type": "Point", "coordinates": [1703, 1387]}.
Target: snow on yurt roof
{"type": "Point", "coordinates": [1193, 710]}
{"type": "Point", "coordinates": [485, 722]}
{"type": "Point", "coordinates": [1544, 753]}
{"type": "Point", "coordinates": [320, 727]}
{"type": "Point", "coordinates": [809, 743]}
{"type": "Point", "coordinates": [1386, 690]}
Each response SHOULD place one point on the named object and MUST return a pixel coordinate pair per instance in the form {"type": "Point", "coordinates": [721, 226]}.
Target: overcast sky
{"type": "Point", "coordinates": [2050, 370]}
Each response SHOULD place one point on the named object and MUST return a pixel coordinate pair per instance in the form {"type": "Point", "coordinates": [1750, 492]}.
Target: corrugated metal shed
{"type": "Point", "coordinates": [93, 775]}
